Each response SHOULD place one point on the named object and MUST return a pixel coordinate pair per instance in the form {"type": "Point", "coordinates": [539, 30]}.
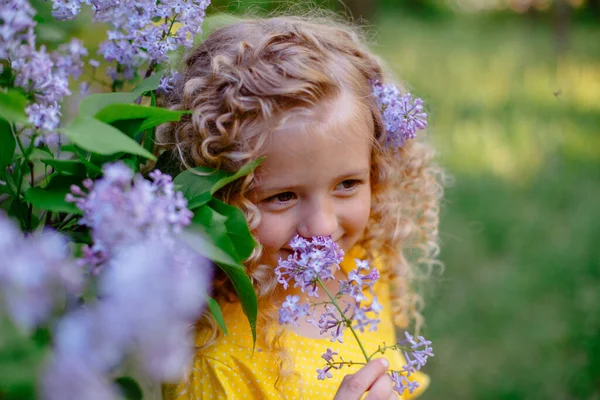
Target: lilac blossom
{"type": "Point", "coordinates": [45, 75]}
{"type": "Point", "coordinates": [401, 383]}
{"type": "Point", "coordinates": [402, 115]}
{"type": "Point", "coordinates": [331, 321]}
{"type": "Point", "coordinates": [311, 260]}
{"type": "Point", "coordinates": [167, 82]}
{"type": "Point", "coordinates": [310, 266]}
{"type": "Point", "coordinates": [141, 32]}
{"type": "Point", "coordinates": [149, 296]}
{"type": "Point", "coordinates": [291, 311]}
{"type": "Point", "coordinates": [34, 273]}
{"type": "Point", "coordinates": [122, 208]}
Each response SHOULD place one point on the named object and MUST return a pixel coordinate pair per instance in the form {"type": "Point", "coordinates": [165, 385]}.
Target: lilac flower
{"type": "Point", "coordinates": [70, 378]}
{"type": "Point", "coordinates": [141, 31]}
{"type": "Point", "coordinates": [167, 82]}
{"type": "Point", "coordinates": [33, 273]}
{"type": "Point", "coordinates": [331, 321]}
{"type": "Point", "coordinates": [64, 10]}
{"type": "Point", "coordinates": [328, 355]}
{"type": "Point", "coordinates": [324, 373]}
{"type": "Point", "coordinates": [291, 311]}
{"type": "Point", "coordinates": [358, 282]}
{"type": "Point", "coordinates": [17, 26]}
{"type": "Point", "coordinates": [44, 117]}
{"type": "Point", "coordinates": [310, 261]}
{"type": "Point", "coordinates": [45, 75]}
{"type": "Point", "coordinates": [122, 209]}
{"type": "Point", "coordinates": [420, 351]}
{"type": "Point", "coordinates": [158, 290]}
{"type": "Point", "coordinates": [401, 383]}
{"type": "Point", "coordinates": [149, 295]}
{"type": "Point", "coordinates": [402, 116]}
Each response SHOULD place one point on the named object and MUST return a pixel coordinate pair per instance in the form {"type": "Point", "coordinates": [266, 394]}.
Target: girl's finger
{"type": "Point", "coordinates": [355, 385]}
{"type": "Point", "coordinates": [382, 389]}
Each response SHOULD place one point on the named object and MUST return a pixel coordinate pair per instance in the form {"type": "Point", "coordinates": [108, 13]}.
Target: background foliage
{"type": "Point", "coordinates": [514, 98]}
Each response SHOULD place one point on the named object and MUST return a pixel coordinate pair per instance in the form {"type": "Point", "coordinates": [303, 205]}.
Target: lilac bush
{"type": "Point", "coordinates": [141, 32]}
{"type": "Point", "coordinates": [35, 272]}
{"type": "Point", "coordinates": [313, 263]}
{"type": "Point", "coordinates": [102, 273]}
{"type": "Point", "coordinates": [45, 75]}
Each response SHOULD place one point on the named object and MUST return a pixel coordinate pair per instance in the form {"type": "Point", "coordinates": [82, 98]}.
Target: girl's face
{"type": "Point", "coordinates": [315, 180]}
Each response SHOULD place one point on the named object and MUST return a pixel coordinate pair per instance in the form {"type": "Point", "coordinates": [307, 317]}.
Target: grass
{"type": "Point", "coordinates": [516, 314]}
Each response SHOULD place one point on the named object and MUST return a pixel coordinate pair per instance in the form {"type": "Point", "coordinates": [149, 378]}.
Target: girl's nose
{"type": "Point", "coordinates": [318, 219]}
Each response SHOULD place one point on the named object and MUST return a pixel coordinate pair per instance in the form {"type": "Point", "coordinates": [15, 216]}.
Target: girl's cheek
{"type": "Point", "coordinates": [273, 231]}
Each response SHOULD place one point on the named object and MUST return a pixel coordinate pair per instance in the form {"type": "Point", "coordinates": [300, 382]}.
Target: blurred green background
{"type": "Point", "coordinates": [514, 99]}
{"type": "Point", "coordinates": [513, 92]}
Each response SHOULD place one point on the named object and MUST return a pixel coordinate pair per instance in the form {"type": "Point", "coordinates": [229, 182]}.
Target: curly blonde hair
{"type": "Point", "coordinates": [241, 84]}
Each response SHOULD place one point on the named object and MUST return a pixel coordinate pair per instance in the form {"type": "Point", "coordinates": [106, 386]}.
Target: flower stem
{"type": "Point", "coordinates": [385, 348]}
{"type": "Point", "coordinates": [347, 321]}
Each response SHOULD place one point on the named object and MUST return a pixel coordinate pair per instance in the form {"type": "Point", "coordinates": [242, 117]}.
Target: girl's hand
{"type": "Point", "coordinates": [371, 378]}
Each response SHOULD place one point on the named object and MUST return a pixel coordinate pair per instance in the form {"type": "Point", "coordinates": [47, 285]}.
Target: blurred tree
{"type": "Point", "coordinates": [362, 9]}
{"type": "Point", "coordinates": [561, 25]}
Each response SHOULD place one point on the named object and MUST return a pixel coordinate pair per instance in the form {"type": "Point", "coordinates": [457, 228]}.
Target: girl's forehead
{"type": "Point", "coordinates": [314, 149]}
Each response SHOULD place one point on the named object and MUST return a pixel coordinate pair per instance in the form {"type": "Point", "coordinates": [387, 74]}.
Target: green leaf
{"type": "Point", "coordinates": [195, 181]}
{"type": "Point", "coordinates": [237, 228]}
{"type": "Point", "coordinates": [215, 310]}
{"type": "Point", "coordinates": [20, 211]}
{"type": "Point", "coordinates": [20, 360]}
{"type": "Point", "coordinates": [116, 112]}
{"type": "Point", "coordinates": [96, 136]}
{"type": "Point", "coordinates": [8, 144]}
{"type": "Point", "coordinates": [70, 167]}
{"type": "Point", "coordinates": [129, 388]}
{"type": "Point", "coordinates": [245, 170]}
{"type": "Point", "coordinates": [51, 200]}
{"type": "Point", "coordinates": [199, 201]}
{"type": "Point", "coordinates": [94, 103]}
{"type": "Point", "coordinates": [196, 238]}
{"type": "Point", "coordinates": [130, 127]}
{"type": "Point", "coordinates": [149, 84]}
{"type": "Point", "coordinates": [214, 224]}
{"type": "Point", "coordinates": [12, 107]}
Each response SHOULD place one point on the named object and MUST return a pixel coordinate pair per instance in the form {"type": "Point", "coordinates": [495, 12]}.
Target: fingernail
{"type": "Point", "coordinates": [384, 362]}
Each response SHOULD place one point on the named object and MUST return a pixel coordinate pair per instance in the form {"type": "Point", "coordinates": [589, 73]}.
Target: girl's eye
{"type": "Point", "coordinates": [281, 198]}
{"type": "Point", "coordinates": [348, 184]}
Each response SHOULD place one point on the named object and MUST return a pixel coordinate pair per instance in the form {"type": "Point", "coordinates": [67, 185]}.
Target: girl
{"type": "Point", "coordinates": [299, 92]}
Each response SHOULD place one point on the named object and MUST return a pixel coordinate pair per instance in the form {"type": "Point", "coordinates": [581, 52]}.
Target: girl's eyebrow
{"type": "Point", "coordinates": [364, 171]}
{"type": "Point", "coordinates": [288, 188]}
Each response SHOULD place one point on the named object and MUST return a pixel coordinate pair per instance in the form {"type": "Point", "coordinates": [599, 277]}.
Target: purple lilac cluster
{"type": "Point", "coordinates": [141, 31]}
{"type": "Point", "coordinates": [312, 260]}
{"type": "Point", "coordinates": [402, 115]}
{"type": "Point", "coordinates": [312, 264]}
{"type": "Point", "coordinates": [150, 294]}
{"type": "Point", "coordinates": [416, 357]}
{"type": "Point", "coordinates": [122, 208]}
{"type": "Point", "coordinates": [45, 75]}
{"type": "Point", "coordinates": [34, 272]}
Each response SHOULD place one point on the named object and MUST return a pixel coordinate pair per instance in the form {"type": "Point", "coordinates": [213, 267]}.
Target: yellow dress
{"type": "Point", "coordinates": [230, 370]}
